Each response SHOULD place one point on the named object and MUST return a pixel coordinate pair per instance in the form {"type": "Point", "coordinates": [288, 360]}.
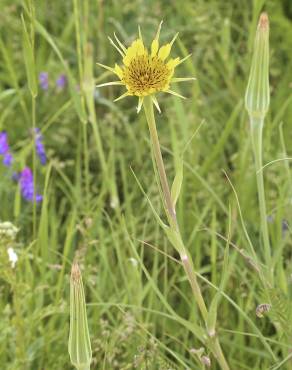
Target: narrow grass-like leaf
{"type": "Point", "coordinates": [177, 183]}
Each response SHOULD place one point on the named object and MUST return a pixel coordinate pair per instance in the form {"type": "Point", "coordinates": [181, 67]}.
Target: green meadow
{"type": "Point", "coordinates": [194, 276]}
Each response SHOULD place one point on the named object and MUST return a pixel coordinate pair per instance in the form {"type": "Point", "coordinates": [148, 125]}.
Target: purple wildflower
{"type": "Point", "coordinates": [27, 186]}
{"type": "Point", "coordinates": [5, 150]}
{"type": "Point", "coordinates": [4, 146]}
{"type": "Point", "coordinates": [39, 145]}
{"type": "Point", "coordinates": [7, 159]}
{"type": "Point", "coordinates": [15, 176]}
{"type": "Point", "coordinates": [44, 80]}
{"type": "Point", "coordinates": [61, 82]}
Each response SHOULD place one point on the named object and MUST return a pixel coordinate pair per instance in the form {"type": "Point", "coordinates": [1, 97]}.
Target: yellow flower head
{"type": "Point", "coordinates": [145, 72]}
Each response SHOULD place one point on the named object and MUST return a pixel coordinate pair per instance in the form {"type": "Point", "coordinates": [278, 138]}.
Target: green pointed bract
{"type": "Point", "coordinates": [79, 341]}
{"type": "Point", "coordinates": [257, 97]}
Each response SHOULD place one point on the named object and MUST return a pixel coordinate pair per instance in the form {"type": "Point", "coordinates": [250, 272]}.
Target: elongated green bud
{"type": "Point", "coordinates": [257, 97]}
{"type": "Point", "coordinates": [79, 341]}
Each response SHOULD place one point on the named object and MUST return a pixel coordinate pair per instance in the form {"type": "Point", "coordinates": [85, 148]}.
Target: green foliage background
{"type": "Point", "coordinates": [93, 207]}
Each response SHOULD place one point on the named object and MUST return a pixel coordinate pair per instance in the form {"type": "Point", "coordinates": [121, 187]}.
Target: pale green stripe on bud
{"type": "Point", "coordinates": [257, 97]}
{"type": "Point", "coordinates": [79, 341]}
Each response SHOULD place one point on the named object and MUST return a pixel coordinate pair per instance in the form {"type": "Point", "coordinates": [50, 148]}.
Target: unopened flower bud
{"type": "Point", "coordinates": [257, 97]}
{"type": "Point", "coordinates": [79, 346]}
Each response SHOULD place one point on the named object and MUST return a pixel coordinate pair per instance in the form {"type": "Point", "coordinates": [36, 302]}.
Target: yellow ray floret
{"type": "Point", "coordinates": [144, 73]}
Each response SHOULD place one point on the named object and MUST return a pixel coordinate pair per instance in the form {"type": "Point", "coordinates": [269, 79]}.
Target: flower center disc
{"type": "Point", "coordinates": [146, 75]}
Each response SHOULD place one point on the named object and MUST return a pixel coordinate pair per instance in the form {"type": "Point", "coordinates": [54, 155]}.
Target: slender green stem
{"type": "Point", "coordinates": [81, 78]}
{"type": "Point", "coordinates": [78, 40]}
{"type": "Point", "coordinates": [171, 215]}
{"type": "Point", "coordinates": [19, 328]}
{"type": "Point", "coordinates": [190, 271]}
{"type": "Point", "coordinates": [34, 165]}
{"type": "Point", "coordinates": [97, 136]}
{"type": "Point", "coordinates": [148, 108]}
{"type": "Point", "coordinates": [220, 355]}
{"type": "Point", "coordinates": [33, 91]}
{"type": "Point", "coordinates": [256, 137]}
{"type": "Point", "coordinates": [86, 165]}
{"type": "Point", "coordinates": [185, 256]}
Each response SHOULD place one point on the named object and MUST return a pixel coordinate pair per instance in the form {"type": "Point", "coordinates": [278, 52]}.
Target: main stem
{"type": "Point", "coordinates": [186, 258]}
{"type": "Point", "coordinates": [148, 108]}
{"type": "Point", "coordinates": [256, 137]}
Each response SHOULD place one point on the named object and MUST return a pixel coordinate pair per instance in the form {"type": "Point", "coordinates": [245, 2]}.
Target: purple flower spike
{"type": "Point", "coordinates": [15, 176]}
{"type": "Point", "coordinates": [40, 148]}
{"type": "Point", "coordinates": [7, 159]}
{"type": "Point", "coordinates": [27, 186]}
{"type": "Point", "coordinates": [44, 80]}
{"type": "Point", "coordinates": [4, 146]}
{"type": "Point", "coordinates": [5, 150]}
{"type": "Point", "coordinates": [61, 82]}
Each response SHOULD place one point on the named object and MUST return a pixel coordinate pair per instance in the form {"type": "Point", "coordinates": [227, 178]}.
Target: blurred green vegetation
{"type": "Point", "coordinates": [93, 206]}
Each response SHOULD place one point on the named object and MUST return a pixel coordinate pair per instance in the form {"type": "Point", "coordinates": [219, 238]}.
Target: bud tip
{"type": "Point", "coordinates": [75, 272]}
{"type": "Point", "coordinates": [264, 21]}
